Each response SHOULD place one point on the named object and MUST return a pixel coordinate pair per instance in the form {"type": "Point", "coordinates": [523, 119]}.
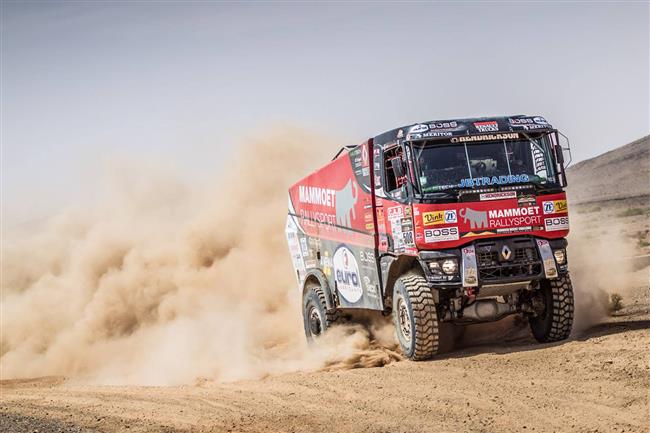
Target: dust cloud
{"type": "Point", "coordinates": [163, 285]}
{"type": "Point", "coordinates": [598, 253]}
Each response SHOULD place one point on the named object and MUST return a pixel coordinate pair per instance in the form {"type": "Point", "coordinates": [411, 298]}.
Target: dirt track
{"type": "Point", "coordinates": [597, 382]}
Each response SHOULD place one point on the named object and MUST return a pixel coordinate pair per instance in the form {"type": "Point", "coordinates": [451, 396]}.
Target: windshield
{"type": "Point", "coordinates": [450, 166]}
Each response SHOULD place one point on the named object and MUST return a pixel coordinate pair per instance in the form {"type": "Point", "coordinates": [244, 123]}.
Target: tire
{"type": "Point", "coordinates": [415, 317]}
{"type": "Point", "coordinates": [556, 321]}
{"type": "Point", "coordinates": [316, 319]}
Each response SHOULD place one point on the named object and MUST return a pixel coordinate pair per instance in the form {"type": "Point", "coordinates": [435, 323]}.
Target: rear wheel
{"type": "Point", "coordinates": [316, 318]}
{"type": "Point", "coordinates": [554, 321]}
{"type": "Point", "coordinates": [415, 317]}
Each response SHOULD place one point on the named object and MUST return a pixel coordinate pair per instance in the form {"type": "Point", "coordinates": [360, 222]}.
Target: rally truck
{"type": "Point", "coordinates": [461, 221]}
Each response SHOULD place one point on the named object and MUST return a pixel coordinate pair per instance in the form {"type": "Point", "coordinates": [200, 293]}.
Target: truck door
{"type": "Point", "coordinates": [394, 212]}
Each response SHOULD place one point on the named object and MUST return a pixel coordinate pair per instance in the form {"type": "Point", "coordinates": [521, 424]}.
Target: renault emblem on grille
{"type": "Point", "coordinates": [506, 253]}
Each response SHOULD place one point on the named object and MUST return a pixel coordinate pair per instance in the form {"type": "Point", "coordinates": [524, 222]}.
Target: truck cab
{"type": "Point", "coordinates": [462, 221]}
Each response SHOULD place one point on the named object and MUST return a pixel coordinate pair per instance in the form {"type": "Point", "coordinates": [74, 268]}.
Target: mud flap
{"type": "Point", "coordinates": [546, 253]}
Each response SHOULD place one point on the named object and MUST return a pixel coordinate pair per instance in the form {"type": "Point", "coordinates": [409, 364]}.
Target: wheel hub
{"type": "Point", "coordinates": [404, 319]}
{"type": "Point", "coordinates": [315, 321]}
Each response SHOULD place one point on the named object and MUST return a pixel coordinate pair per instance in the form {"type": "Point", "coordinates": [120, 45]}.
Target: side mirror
{"type": "Point", "coordinates": [397, 166]}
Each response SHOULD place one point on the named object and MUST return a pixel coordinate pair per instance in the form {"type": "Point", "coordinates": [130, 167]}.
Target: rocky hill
{"type": "Point", "coordinates": [622, 173]}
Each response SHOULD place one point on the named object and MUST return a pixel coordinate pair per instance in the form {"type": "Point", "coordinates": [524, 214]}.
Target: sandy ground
{"type": "Point", "coordinates": [598, 381]}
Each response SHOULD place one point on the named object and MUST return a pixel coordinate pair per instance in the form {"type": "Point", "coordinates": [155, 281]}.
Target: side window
{"type": "Point", "coordinates": [394, 181]}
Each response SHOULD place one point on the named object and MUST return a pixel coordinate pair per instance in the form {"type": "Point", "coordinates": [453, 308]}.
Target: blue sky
{"type": "Point", "coordinates": [183, 82]}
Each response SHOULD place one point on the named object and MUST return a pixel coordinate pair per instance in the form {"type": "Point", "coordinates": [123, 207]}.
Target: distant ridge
{"type": "Point", "coordinates": [618, 174]}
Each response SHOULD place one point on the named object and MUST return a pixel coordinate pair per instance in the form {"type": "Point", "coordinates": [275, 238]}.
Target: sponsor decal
{"type": "Point", "coordinates": [395, 212]}
{"type": "Point", "coordinates": [527, 201]}
{"type": "Point", "coordinates": [367, 257]}
{"type": "Point", "coordinates": [430, 134]}
{"type": "Point", "coordinates": [486, 137]}
{"type": "Point", "coordinates": [524, 121]}
{"type": "Point", "coordinates": [469, 268]}
{"type": "Point", "coordinates": [502, 218]}
{"type": "Point", "coordinates": [439, 217]}
{"type": "Point", "coordinates": [494, 180]}
{"type": "Point", "coordinates": [498, 195]}
{"type": "Point", "coordinates": [490, 126]}
{"type": "Point", "coordinates": [450, 216]}
{"type": "Point", "coordinates": [346, 273]}
{"type": "Point", "coordinates": [346, 199]}
{"type": "Point", "coordinates": [443, 125]}
{"type": "Point", "coordinates": [514, 212]}
{"type": "Point", "coordinates": [441, 234]}
{"type": "Point", "coordinates": [343, 201]}
{"type": "Point", "coordinates": [371, 290]}
{"type": "Point", "coordinates": [529, 123]}
{"type": "Point", "coordinates": [365, 161]}
{"type": "Point", "coordinates": [477, 219]}
{"type": "Point", "coordinates": [515, 229]}
{"type": "Point", "coordinates": [419, 128]}
{"type": "Point", "coordinates": [547, 258]}
{"type": "Point", "coordinates": [380, 216]}
{"type": "Point", "coordinates": [316, 195]}
{"type": "Point", "coordinates": [557, 223]}
{"type": "Point", "coordinates": [555, 206]}
{"type": "Point", "coordinates": [431, 218]}
{"type": "Point", "coordinates": [303, 246]}
{"type": "Point", "coordinates": [530, 127]}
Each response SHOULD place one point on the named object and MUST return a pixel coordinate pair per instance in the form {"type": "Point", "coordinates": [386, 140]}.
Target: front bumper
{"type": "Point", "coordinates": [502, 261]}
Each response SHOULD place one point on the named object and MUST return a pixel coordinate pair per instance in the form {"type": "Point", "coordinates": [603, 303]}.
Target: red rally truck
{"type": "Point", "coordinates": [461, 221]}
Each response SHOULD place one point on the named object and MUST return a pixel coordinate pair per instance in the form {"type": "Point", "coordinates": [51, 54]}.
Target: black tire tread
{"type": "Point", "coordinates": [424, 315]}
{"type": "Point", "coordinates": [332, 316]}
{"type": "Point", "coordinates": [562, 312]}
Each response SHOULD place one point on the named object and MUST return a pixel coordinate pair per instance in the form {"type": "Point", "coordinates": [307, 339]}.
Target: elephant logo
{"type": "Point", "coordinates": [477, 219]}
{"type": "Point", "coordinates": [346, 198]}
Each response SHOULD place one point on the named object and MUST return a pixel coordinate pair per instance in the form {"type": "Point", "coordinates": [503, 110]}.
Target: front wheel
{"type": "Point", "coordinates": [316, 318]}
{"type": "Point", "coordinates": [554, 321]}
{"type": "Point", "coordinates": [415, 317]}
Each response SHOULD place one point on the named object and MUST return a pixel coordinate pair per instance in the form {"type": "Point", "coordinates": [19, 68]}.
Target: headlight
{"type": "Point", "coordinates": [560, 256]}
{"type": "Point", "coordinates": [450, 266]}
{"type": "Point", "coordinates": [435, 267]}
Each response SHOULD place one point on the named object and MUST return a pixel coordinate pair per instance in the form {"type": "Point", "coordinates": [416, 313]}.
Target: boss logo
{"type": "Point", "coordinates": [558, 223]}
{"type": "Point", "coordinates": [441, 235]}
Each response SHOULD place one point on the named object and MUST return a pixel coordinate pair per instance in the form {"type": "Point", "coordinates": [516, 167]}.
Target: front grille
{"type": "Point", "coordinates": [523, 263]}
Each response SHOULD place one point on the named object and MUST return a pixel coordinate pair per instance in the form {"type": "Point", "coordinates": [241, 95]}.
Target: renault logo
{"type": "Point", "coordinates": [506, 253]}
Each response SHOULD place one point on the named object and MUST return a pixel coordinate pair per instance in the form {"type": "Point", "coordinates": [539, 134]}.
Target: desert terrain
{"type": "Point", "coordinates": [495, 378]}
